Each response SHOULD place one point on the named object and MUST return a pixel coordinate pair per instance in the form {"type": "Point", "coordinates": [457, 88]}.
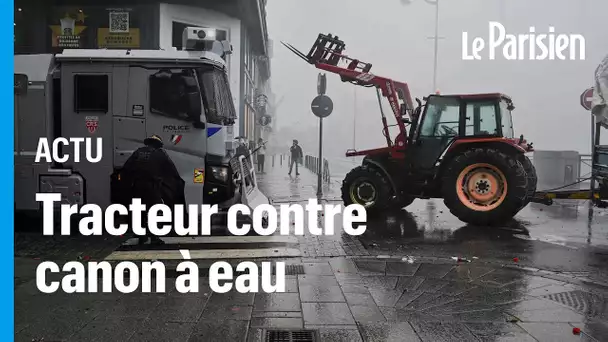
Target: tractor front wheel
{"type": "Point", "coordinates": [366, 186]}
{"type": "Point", "coordinates": [485, 186]}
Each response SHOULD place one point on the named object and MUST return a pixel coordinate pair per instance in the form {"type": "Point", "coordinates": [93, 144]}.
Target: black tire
{"type": "Point", "coordinates": [403, 202]}
{"type": "Point", "coordinates": [531, 176]}
{"type": "Point", "coordinates": [371, 176]}
{"type": "Point", "coordinates": [512, 171]}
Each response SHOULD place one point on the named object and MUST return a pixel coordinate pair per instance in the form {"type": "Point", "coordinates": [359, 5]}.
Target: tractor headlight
{"type": "Point", "coordinates": [220, 173]}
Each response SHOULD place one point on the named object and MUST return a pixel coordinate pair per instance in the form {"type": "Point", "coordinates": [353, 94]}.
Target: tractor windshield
{"type": "Point", "coordinates": [506, 120]}
{"type": "Point", "coordinates": [215, 88]}
{"type": "Point", "coordinates": [441, 118]}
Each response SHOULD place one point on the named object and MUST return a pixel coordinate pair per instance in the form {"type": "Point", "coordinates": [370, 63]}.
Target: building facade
{"type": "Point", "coordinates": [49, 26]}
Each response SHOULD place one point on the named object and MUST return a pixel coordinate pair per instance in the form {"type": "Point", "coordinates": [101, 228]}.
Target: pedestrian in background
{"type": "Point", "coordinates": [296, 156]}
{"type": "Point", "coordinates": [261, 155]}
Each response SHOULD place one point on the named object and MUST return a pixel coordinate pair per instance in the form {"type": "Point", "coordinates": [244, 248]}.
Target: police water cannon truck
{"type": "Point", "coordinates": [122, 97]}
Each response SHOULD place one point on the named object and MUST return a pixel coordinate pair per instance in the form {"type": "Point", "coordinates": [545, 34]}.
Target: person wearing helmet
{"type": "Point", "coordinates": [151, 176]}
{"type": "Point", "coordinates": [296, 156]}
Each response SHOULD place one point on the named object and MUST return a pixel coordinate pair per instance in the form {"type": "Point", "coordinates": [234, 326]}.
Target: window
{"type": "Point", "coordinates": [442, 118]}
{"type": "Point", "coordinates": [169, 89]}
{"type": "Point", "coordinates": [91, 93]}
{"type": "Point", "coordinates": [481, 119]}
{"type": "Point", "coordinates": [217, 97]}
{"type": "Point", "coordinates": [507, 120]}
{"type": "Point", "coordinates": [246, 50]}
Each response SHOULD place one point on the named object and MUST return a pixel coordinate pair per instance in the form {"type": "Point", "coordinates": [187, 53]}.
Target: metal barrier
{"type": "Point", "coordinates": [584, 168]}
{"type": "Point", "coordinates": [312, 164]}
{"type": "Point", "coordinates": [246, 181]}
{"type": "Point", "coordinates": [585, 162]}
{"type": "Point", "coordinates": [244, 173]}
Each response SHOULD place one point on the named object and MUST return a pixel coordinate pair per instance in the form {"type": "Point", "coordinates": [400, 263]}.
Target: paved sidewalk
{"type": "Point", "coordinates": [339, 299]}
{"type": "Point", "coordinates": [280, 187]}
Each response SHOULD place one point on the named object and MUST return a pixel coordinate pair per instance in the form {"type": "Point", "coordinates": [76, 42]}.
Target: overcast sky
{"type": "Point", "coordinates": [394, 38]}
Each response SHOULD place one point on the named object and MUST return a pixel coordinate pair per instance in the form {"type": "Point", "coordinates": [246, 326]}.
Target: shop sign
{"type": "Point", "coordinates": [67, 34]}
{"type": "Point", "coordinates": [125, 40]}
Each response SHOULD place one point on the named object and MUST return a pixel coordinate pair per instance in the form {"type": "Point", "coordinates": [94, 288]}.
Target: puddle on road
{"type": "Point", "coordinates": [429, 222]}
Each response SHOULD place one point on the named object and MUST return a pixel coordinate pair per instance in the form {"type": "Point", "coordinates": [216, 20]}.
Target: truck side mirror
{"type": "Point", "coordinates": [21, 84]}
{"type": "Point", "coordinates": [221, 48]}
{"type": "Point", "coordinates": [227, 47]}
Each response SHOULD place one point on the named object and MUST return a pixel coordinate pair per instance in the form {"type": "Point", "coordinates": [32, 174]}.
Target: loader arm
{"type": "Point", "coordinates": [327, 53]}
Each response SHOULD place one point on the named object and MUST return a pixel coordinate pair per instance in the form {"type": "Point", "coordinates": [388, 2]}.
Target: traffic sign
{"type": "Point", "coordinates": [321, 84]}
{"type": "Point", "coordinates": [322, 106]}
{"type": "Point", "coordinates": [586, 98]}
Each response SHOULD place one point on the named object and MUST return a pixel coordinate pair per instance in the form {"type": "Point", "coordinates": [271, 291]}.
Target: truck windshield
{"type": "Point", "coordinates": [506, 120]}
{"type": "Point", "coordinates": [217, 98]}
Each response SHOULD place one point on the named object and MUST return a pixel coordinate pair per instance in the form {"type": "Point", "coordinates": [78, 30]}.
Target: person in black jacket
{"type": "Point", "coordinates": [149, 174]}
{"type": "Point", "coordinates": [296, 156]}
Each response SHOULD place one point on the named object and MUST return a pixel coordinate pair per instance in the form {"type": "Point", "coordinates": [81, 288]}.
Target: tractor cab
{"type": "Point", "coordinates": [447, 119]}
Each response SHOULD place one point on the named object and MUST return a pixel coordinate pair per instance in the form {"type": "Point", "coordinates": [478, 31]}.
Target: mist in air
{"type": "Point", "coordinates": [395, 36]}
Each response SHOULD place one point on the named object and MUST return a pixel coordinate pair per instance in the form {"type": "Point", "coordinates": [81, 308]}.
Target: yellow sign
{"type": "Point", "coordinates": [67, 34]}
{"type": "Point", "coordinates": [124, 40]}
{"type": "Point", "coordinates": [199, 175]}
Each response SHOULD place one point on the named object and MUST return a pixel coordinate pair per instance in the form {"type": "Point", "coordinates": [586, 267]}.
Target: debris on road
{"type": "Point", "coordinates": [459, 259]}
{"type": "Point", "coordinates": [409, 259]}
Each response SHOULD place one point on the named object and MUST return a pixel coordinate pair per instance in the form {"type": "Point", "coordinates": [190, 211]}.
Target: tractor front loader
{"type": "Point", "coordinates": [461, 148]}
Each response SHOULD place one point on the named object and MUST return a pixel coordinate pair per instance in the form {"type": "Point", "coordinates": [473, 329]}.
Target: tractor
{"type": "Point", "coordinates": [461, 148]}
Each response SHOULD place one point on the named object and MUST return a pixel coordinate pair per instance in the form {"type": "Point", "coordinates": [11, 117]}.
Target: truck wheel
{"type": "Point", "coordinates": [531, 176]}
{"type": "Point", "coordinates": [368, 187]}
{"type": "Point", "coordinates": [484, 186]}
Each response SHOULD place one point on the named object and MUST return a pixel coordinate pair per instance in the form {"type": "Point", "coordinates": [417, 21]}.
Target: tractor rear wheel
{"type": "Point", "coordinates": [368, 187]}
{"type": "Point", "coordinates": [484, 186]}
{"type": "Point", "coordinates": [530, 175]}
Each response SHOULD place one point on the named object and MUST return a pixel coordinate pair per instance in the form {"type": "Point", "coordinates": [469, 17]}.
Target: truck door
{"type": "Point", "coordinates": [86, 112]}
{"type": "Point", "coordinates": [167, 97]}
{"type": "Point", "coordinates": [129, 120]}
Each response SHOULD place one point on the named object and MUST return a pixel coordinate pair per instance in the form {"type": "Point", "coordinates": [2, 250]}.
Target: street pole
{"type": "Point", "coordinates": [594, 141]}
{"type": "Point", "coordinates": [321, 107]}
{"type": "Point", "coordinates": [436, 37]}
{"type": "Point", "coordinates": [354, 120]}
{"type": "Point", "coordinates": [320, 161]}
{"type": "Point", "coordinates": [436, 3]}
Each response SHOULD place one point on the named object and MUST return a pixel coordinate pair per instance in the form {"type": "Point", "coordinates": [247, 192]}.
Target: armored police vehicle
{"type": "Point", "coordinates": [123, 96]}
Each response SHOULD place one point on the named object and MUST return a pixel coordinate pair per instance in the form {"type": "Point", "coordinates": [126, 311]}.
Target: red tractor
{"type": "Point", "coordinates": [461, 148]}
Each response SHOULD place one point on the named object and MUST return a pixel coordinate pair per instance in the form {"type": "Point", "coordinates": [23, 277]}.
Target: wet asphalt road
{"type": "Point", "coordinates": [556, 238]}
{"type": "Point", "coordinates": [396, 282]}
{"type": "Point", "coordinates": [559, 238]}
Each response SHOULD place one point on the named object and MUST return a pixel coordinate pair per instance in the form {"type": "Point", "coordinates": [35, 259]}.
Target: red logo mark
{"type": "Point", "coordinates": [92, 123]}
